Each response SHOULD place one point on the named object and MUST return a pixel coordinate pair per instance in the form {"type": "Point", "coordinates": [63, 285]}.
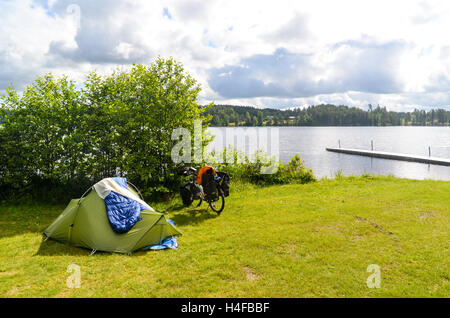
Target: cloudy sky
{"type": "Point", "coordinates": [264, 53]}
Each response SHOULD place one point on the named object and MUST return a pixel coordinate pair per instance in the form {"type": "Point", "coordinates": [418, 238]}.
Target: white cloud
{"type": "Point", "coordinates": [348, 52]}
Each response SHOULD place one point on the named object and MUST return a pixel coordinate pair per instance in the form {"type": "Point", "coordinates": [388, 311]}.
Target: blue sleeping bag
{"type": "Point", "coordinates": [123, 213]}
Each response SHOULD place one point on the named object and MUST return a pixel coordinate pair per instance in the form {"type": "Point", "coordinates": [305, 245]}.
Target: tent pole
{"type": "Point", "coordinates": [137, 190]}
{"type": "Point", "coordinates": [79, 201]}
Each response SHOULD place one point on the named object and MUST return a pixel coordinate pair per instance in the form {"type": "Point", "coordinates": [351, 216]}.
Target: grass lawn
{"type": "Point", "coordinates": [313, 240]}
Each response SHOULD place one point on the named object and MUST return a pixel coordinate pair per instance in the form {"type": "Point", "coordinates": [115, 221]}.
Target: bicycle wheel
{"type": "Point", "coordinates": [219, 205]}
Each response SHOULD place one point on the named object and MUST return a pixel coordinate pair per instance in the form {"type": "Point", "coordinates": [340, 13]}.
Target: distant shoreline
{"type": "Point", "coordinates": [354, 126]}
{"type": "Point", "coordinates": [324, 115]}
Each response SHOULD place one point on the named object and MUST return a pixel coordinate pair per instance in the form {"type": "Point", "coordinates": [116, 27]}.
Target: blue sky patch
{"type": "Point", "coordinates": [43, 4]}
{"type": "Point", "coordinates": [211, 44]}
{"type": "Point", "coordinates": [167, 14]}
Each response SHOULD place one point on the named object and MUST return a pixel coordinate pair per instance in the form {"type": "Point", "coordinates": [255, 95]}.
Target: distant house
{"type": "Point", "coordinates": [292, 117]}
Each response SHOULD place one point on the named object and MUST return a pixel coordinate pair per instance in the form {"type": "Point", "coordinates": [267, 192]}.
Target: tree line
{"type": "Point", "coordinates": [324, 115]}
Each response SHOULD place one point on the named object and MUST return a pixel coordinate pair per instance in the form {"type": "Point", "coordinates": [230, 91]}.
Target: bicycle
{"type": "Point", "coordinates": [191, 192]}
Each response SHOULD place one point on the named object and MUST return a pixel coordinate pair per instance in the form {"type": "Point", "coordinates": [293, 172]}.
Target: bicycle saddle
{"type": "Point", "coordinates": [187, 171]}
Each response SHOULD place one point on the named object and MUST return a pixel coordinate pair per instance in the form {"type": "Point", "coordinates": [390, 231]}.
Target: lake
{"type": "Point", "coordinates": [310, 144]}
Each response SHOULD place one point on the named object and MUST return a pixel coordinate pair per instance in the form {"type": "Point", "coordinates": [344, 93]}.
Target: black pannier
{"type": "Point", "coordinates": [196, 191]}
{"type": "Point", "coordinates": [209, 186]}
{"type": "Point", "coordinates": [224, 182]}
{"type": "Point", "coordinates": [186, 196]}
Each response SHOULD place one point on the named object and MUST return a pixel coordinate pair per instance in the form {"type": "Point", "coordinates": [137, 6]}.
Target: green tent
{"type": "Point", "coordinates": [84, 223]}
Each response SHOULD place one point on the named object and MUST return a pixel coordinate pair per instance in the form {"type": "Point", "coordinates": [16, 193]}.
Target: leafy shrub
{"type": "Point", "coordinates": [248, 169]}
{"type": "Point", "coordinates": [57, 136]}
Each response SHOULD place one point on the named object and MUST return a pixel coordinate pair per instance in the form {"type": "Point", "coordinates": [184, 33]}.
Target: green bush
{"type": "Point", "coordinates": [57, 137]}
{"type": "Point", "coordinates": [248, 169]}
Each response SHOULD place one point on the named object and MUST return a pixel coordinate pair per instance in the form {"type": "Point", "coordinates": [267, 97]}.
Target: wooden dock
{"type": "Point", "coordinates": [392, 155]}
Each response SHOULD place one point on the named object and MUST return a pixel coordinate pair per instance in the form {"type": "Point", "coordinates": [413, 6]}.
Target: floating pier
{"type": "Point", "coordinates": [392, 155]}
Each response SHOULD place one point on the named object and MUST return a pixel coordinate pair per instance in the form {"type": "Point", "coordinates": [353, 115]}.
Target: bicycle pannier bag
{"type": "Point", "coordinates": [224, 183]}
{"type": "Point", "coordinates": [186, 196]}
{"type": "Point", "coordinates": [209, 186]}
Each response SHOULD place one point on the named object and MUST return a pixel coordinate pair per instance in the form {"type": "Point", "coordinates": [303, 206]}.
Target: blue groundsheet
{"type": "Point", "coordinates": [170, 242]}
